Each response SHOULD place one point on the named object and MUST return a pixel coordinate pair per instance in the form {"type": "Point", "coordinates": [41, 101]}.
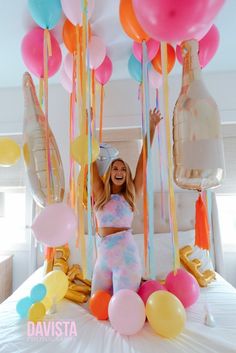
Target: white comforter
{"type": "Point", "coordinates": [99, 337]}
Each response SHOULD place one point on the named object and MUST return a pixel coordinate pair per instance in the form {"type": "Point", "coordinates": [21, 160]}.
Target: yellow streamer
{"type": "Point", "coordinates": [80, 211]}
{"type": "Point", "coordinates": [173, 219]}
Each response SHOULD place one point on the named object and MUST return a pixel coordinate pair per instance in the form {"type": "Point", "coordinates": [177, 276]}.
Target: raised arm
{"type": "Point", "coordinates": [97, 183]}
{"type": "Point", "coordinates": [155, 118]}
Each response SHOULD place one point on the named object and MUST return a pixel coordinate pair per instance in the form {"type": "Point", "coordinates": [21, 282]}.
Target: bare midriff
{"type": "Point", "coordinates": [104, 231]}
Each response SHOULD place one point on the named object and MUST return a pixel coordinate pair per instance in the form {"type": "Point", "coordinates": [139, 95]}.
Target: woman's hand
{"type": "Point", "coordinates": [155, 118]}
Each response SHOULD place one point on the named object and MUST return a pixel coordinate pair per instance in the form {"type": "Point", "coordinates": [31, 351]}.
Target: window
{"type": "Point", "coordinates": [226, 204]}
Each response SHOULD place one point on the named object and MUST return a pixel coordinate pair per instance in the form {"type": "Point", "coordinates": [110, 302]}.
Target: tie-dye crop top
{"type": "Point", "coordinates": [116, 213]}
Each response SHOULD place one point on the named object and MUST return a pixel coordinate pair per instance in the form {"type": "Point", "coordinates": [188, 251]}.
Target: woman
{"type": "Point", "coordinates": [118, 265]}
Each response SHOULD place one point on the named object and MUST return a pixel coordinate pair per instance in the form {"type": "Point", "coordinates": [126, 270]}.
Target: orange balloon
{"type": "Point", "coordinates": [130, 23]}
{"type": "Point", "coordinates": [69, 35]}
{"type": "Point", "coordinates": [98, 304]}
{"type": "Point", "coordinates": [156, 62]}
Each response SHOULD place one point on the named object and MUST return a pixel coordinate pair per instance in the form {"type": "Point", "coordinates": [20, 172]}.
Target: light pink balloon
{"type": "Point", "coordinates": [147, 288]}
{"type": "Point", "coordinates": [65, 81]}
{"type": "Point", "coordinates": [104, 71]}
{"type": "Point", "coordinates": [155, 78]}
{"type": "Point", "coordinates": [176, 21]}
{"type": "Point", "coordinates": [55, 225]}
{"type": "Point", "coordinates": [68, 64]}
{"type": "Point", "coordinates": [97, 52]}
{"type": "Point", "coordinates": [32, 53]}
{"type": "Point", "coordinates": [73, 9]}
{"type": "Point", "coordinates": [126, 312]}
{"type": "Point", "coordinates": [58, 30]}
{"type": "Point", "coordinates": [184, 286]}
{"type": "Point", "coordinates": [208, 46]}
{"type": "Point", "coordinates": [152, 49]}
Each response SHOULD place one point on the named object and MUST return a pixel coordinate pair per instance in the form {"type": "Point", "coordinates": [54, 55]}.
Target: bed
{"type": "Point", "coordinates": [219, 299]}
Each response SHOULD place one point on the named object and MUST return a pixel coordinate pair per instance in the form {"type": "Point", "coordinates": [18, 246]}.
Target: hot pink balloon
{"type": "Point", "coordinates": [184, 286]}
{"type": "Point", "coordinates": [55, 225]}
{"type": "Point", "coordinates": [176, 21]}
{"type": "Point", "coordinates": [126, 312]}
{"type": "Point", "coordinates": [68, 64]}
{"type": "Point", "coordinates": [65, 80]}
{"type": "Point", "coordinates": [97, 52]}
{"type": "Point", "coordinates": [155, 78]}
{"type": "Point", "coordinates": [152, 49]}
{"type": "Point", "coordinates": [73, 10]}
{"type": "Point", "coordinates": [147, 288]}
{"type": "Point", "coordinates": [104, 71]}
{"type": "Point", "coordinates": [32, 53]}
{"type": "Point", "coordinates": [208, 46]}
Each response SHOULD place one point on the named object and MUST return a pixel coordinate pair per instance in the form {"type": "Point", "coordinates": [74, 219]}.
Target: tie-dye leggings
{"type": "Point", "coordinates": [118, 265]}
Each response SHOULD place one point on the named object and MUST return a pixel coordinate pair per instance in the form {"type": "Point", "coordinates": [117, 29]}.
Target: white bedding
{"type": "Point", "coordinates": [99, 337]}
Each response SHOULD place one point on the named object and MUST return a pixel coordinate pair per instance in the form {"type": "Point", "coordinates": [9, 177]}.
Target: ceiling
{"type": "Point", "coordinates": [15, 22]}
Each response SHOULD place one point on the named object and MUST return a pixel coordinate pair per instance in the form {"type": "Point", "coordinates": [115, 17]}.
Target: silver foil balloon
{"type": "Point", "coordinates": [34, 148]}
{"type": "Point", "coordinates": [198, 146]}
{"type": "Point", "coordinates": [106, 155]}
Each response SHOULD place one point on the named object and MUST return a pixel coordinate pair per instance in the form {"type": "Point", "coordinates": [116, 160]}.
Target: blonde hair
{"type": "Point", "coordinates": [128, 190]}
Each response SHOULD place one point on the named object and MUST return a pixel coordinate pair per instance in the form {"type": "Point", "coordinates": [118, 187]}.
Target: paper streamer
{"type": "Point", "coordinates": [101, 112]}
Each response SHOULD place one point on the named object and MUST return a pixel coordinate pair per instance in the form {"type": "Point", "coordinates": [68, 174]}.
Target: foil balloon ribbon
{"type": "Point", "coordinates": [198, 145]}
{"type": "Point", "coordinates": [34, 148]}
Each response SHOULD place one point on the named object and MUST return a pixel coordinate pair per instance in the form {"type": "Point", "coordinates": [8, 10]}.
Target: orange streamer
{"type": "Point", "coordinates": [202, 229]}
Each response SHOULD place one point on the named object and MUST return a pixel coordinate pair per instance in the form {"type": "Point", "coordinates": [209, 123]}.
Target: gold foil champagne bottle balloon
{"type": "Point", "coordinates": [34, 149]}
{"type": "Point", "coordinates": [198, 145]}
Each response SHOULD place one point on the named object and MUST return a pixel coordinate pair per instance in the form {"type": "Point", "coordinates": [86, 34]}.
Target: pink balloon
{"type": "Point", "coordinates": [126, 312]}
{"type": "Point", "coordinates": [184, 286]}
{"type": "Point", "coordinates": [147, 288]}
{"type": "Point", "coordinates": [104, 71]}
{"type": "Point", "coordinates": [73, 10]}
{"type": "Point", "coordinates": [32, 53]}
{"type": "Point", "coordinates": [68, 64]}
{"type": "Point", "coordinates": [97, 52]}
{"type": "Point", "coordinates": [176, 21]}
{"type": "Point", "coordinates": [65, 80]}
{"type": "Point", "coordinates": [155, 78]}
{"type": "Point", "coordinates": [208, 46]}
{"type": "Point", "coordinates": [55, 225]}
{"type": "Point", "coordinates": [152, 49]}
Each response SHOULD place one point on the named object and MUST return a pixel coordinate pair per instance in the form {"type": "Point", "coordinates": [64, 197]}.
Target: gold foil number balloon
{"type": "Point", "coordinates": [198, 146]}
{"type": "Point", "coordinates": [35, 150]}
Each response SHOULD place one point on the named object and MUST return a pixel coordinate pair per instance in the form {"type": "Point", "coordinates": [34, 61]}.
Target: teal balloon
{"type": "Point", "coordinates": [22, 307]}
{"type": "Point", "coordinates": [135, 69]}
{"type": "Point", "coordinates": [38, 292]}
{"type": "Point", "coordinates": [46, 13]}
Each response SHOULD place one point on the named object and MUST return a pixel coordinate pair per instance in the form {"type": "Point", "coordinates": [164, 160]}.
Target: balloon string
{"type": "Point", "coordinates": [80, 232]}
{"type": "Point", "coordinates": [101, 112]}
{"type": "Point", "coordinates": [41, 91]}
{"type": "Point", "coordinates": [172, 206]}
{"type": "Point", "coordinates": [93, 100]}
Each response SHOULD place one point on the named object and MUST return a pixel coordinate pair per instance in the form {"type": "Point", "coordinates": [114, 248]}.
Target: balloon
{"type": "Point", "coordinates": [37, 312]}
{"type": "Point", "coordinates": [106, 155]}
{"type": "Point", "coordinates": [68, 65]}
{"type": "Point", "coordinates": [65, 81]}
{"type": "Point", "coordinates": [152, 49]}
{"type": "Point", "coordinates": [184, 286]}
{"type": "Point", "coordinates": [32, 53]}
{"type": "Point", "coordinates": [135, 69]}
{"type": "Point", "coordinates": [175, 21]}
{"type": "Point", "coordinates": [104, 71]}
{"type": "Point", "coordinates": [57, 284]}
{"type": "Point", "coordinates": [126, 312]}
{"type": "Point", "coordinates": [165, 314]}
{"type": "Point", "coordinates": [147, 288]}
{"type": "Point", "coordinates": [38, 292]}
{"type": "Point", "coordinates": [55, 225]}
{"type": "Point", "coordinates": [156, 62]}
{"type": "Point", "coordinates": [22, 307]}
{"type": "Point", "coordinates": [34, 135]}
{"type": "Point", "coordinates": [45, 13]}
{"type": "Point", "coordinates": [69, 35]}
{"type": "Point", "coordinates": [79, 149]}
{"type": "Point", "coordinates": [74, 11]}
{"type": "Point", "coordinates": [9, 152]}
{"type": "Point", "coordinates": [208, 46]}
{"type": "Point", "coordinates": [155, 78]}
{"type": "Point", "coordinates": [98, 304]}
{"type": "Point", "coordinates": [129, 22]}
{"type": "Point", "coordinates": [97, 52]}
{"type": "Point", "coordinates": [47, 302]}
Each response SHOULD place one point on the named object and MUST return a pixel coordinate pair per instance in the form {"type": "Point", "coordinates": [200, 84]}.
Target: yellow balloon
{"type": "Point", "coordinates": [47, 302]}
{"type": "Point", "coordinates": [165, 313]}
{"type": "Point", "coordinates": [9, 152]}
{"type": "Point", "coordinates": [57, 284]}
{"type": "Point", "coordinates": [37, 312]}
{"type": "Point", "coordinates": [79, 149]}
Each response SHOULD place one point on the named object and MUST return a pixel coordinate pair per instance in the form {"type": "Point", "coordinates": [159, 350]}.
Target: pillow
{"type": "Point", "coordinates": [163, 252]}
